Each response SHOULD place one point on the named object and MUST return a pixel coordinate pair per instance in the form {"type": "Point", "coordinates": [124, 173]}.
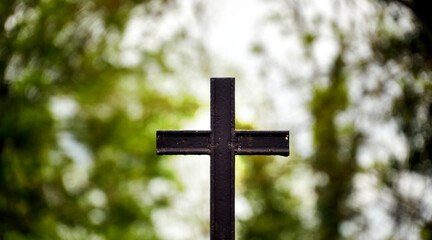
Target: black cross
{"type": "Point", "coordinates": [222, 142]}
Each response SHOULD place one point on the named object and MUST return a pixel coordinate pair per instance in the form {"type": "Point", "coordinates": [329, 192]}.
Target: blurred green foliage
{"type": "Point", "coordinates": [335, 152]}
{"type": "Point", "coordinates": [404, 57]}
{"type": "Point", "coordinates": [412, 109]}
{"type": "Point", "coordinates": [275, 210]}
{"type": "Point", "coordinates": [76, 126]}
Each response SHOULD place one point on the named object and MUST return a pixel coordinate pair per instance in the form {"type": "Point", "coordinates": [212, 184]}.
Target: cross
{"type": "Point", "coordinates": [222, 143]}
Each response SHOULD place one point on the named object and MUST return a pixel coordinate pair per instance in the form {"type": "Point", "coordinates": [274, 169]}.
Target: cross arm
{"type": "Point", "coordinates": [262, 143]}
{"type": "Point", "coordinates": [169, 142]}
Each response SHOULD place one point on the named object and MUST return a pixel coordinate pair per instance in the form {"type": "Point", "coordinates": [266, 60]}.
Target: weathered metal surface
{"type": "Point", "coordinates": [222, 159]}
{"type": "Point", "coordinates": [170, 142]}
{"type": "Point", "coordinates": [192, 142]}
{"type": "Point", "coordinates": [262, 143]}
{"type": "Point", "coordinates": [222, 143]}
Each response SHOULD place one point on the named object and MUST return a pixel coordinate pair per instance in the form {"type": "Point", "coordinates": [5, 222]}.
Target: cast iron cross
{"type": "Point", "coordinates": [222, 142]}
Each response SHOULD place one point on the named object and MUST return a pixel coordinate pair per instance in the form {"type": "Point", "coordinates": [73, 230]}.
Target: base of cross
{"type": "Point", "coordinates": [222, 143]}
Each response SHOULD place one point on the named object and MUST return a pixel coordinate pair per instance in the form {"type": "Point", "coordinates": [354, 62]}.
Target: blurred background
{"type": "Point", "coordinates": [84, 85]}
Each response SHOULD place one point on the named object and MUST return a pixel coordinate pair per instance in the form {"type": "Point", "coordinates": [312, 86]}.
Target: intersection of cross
{"type": "Point", "coordinates": [222, 143]}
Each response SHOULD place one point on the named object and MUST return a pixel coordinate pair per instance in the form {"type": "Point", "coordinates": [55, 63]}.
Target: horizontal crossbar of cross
{"type": "Point", "coordinates": [171, 142]}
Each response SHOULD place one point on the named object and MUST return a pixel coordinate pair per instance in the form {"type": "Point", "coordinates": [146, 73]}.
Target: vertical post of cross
{"type": "Point", "coordinates": [222, 162]}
